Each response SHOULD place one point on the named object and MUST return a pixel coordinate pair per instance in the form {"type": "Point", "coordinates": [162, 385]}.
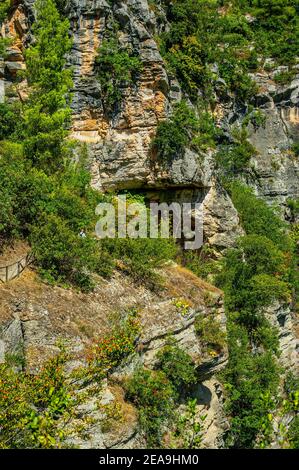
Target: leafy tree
{"type": "Point", "coordinates": [234, 159]}
{"type": "Point", "coordinates": [46, 114]}
{"type": "Point", "coordinates": [248, 379]}
{"type": "Point", "coordinates": [61, 254]}
{"type": "Point", "coordinates": [116, 66]}
{"type": "Point", "coordinates": [8, 117]}
{"type": "Point", "coordinates": [246, 273]}
{"type": "Point", "coordinates": [153, 394]}
{"type": "Point", "coordinates": [4, 7]}
{"type": "Point", "coordinates": [35, 409]}
{"type": "Point", "coordinates": [256, 216]}
{"type": "Point", "coordinates": [183, 129]}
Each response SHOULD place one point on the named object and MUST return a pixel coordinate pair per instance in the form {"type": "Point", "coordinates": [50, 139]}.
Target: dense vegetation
{"type": "Point", "coordinates": [184, 130]}
{"type": "Point", "coordinates": [4, 9]}
{"type": "Point", "coordinates": [42, 409]}
{"type": "Point", "coordinates": [203, 33]}
{"type": "Point", "coordinates": [212, 46]}
{"type": "Point", "coordinates": [260, 270]}
{"type": "Point", "coordinates": [255, 274]}
{"type": "Point", "coordinates": [116, 67]}
{"type": "Point", "coordinates": [156, 393]}
{"type": "Point", "coordinates": [46, 197]}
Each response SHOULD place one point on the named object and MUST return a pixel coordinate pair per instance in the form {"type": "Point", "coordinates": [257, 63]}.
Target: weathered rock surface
{"type": "Point", "coordinates": [120, 147]}
{"type": "Point", "coordinates": [34, 317]}
{"type": "Point", "coordinates": [286, 321]}
{"type": "Point", "coordinates": [276, 167]}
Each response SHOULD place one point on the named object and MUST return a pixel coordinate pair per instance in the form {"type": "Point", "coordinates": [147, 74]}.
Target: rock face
{"type": "Point", "coordinates": [34, 317]}
{"type": "Point", "coordinates": [286, 321]}
{"type": "Point", "coordinates": [119, 147]}
{"type": "Point", "coordinates": [276, 167]}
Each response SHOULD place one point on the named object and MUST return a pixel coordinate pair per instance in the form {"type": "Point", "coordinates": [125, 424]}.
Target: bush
{"type": "Point", "coordinates": [234, 159]}
{"type": "Point", "coordinates": [256, 216]}
{"type": "Point", "coordinates": [295, 149]}
{"type": "Point", "coordinates": [249, 379]}
{"type": "Point", "coordinates": [8, 120]}
{"type": "Point", "coordinates": [111, 350]}
{"type": "Point", "coordinates": [116, 67]}
{"type": "Point", "coordinates": [62, 256]}
{"type": "Point", "coordinates": [4, 7]}
{"type": "Point", "coordinates": [153, 394]}
{"type": "Point", "coordinates": [178, 366]}
{"type": "Point", "coordinates": [175, 134]}
{"type": "Point", "coordinates": [246, 273]}
{"type": "Point", "coordinates": [183, 129]}
{"type": "Point", "coordinates": [254, 274]}
{"type": "Point", "coordinates": [210, 333]}
{"type": "Point", "coordinates": [203, 264]}
{"type": "Point", "coordinates": [293, 433]}
{"type": "Point", "coordinates": [31, 406]}
{"type": "Point", "coordinates": [141, 257]}
{"type": "Point", "coordinates": [46, 114]}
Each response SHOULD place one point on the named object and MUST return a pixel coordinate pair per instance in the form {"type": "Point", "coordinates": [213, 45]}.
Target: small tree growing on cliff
{"type": "Point", "coordinates": [115, 66]}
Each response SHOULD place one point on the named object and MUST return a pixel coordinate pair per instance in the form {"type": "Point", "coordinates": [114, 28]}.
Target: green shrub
{"type": "Point", "coordinates": [178, 366]}
{"type": "Point", "coordinates": [293, 433]}
{"type": "Point", "coordinates": [293, 205]}
{"type": "Point", "coordinates": [295, 149]}
{"type": "Point", "coordinates": [62, 256]}
{"type": "Point", "coordinates": [183, 129]}
{"type": "Point", "coordinates": [249, 379]}
{"type": "Point", "coordinates": [153, 394]}
{"type": "Point", "coordinates": [112, 349]}
{"type": "Point", "coordinates": [116, 67]}
{"type": "Point", "coordinates": [31, 406]}
{"type": "Point", "coordinates": [202, 264]}
{"type": "Point", "coordinates": [256, 216]}
{"type": "Point", "coordinates": [266, 336]}
{"type": "Point", "coordinates": [4, 7]}
{"type": "Point", "coordinates": [46, 114]}
{"type": "Point", "coordinates": [189, 431]}
{"type": "Point", "coordinates": [141, 257]}
{"type": "Point", "coordinates": [283, 78]}
{"type": "Point", "coordinates": [234, 159]}
{"type": "Point", "coordinates": [246, 273]}
{"type": "Point", "coordinates": [8, 120]}
{"type": "Point", "coordinates": [210, 333]}
{"type": "Point", "coordinates": [175, 134]}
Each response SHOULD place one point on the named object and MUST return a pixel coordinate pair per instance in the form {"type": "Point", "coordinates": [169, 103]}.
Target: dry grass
{"type": "Point", "coordinates": [11, 254]}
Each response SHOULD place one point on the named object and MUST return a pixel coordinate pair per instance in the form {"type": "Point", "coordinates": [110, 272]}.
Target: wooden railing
{"type": "Point", "coordinates": [11, 271]}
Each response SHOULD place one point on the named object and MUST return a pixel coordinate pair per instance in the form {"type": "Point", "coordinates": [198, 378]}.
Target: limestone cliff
{"type": "Point", "coordinates": [33, 316]}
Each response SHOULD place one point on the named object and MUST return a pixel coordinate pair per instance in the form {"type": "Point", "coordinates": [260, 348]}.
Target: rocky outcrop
{"type": "Point", "coordinates": [119, 147]}
{"type": "Point", "coordinates": [286, 321]}
{"type": "Point", "coordinates": [276, 167]}
{"type": "Point", "coordinates": [35, 318]}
